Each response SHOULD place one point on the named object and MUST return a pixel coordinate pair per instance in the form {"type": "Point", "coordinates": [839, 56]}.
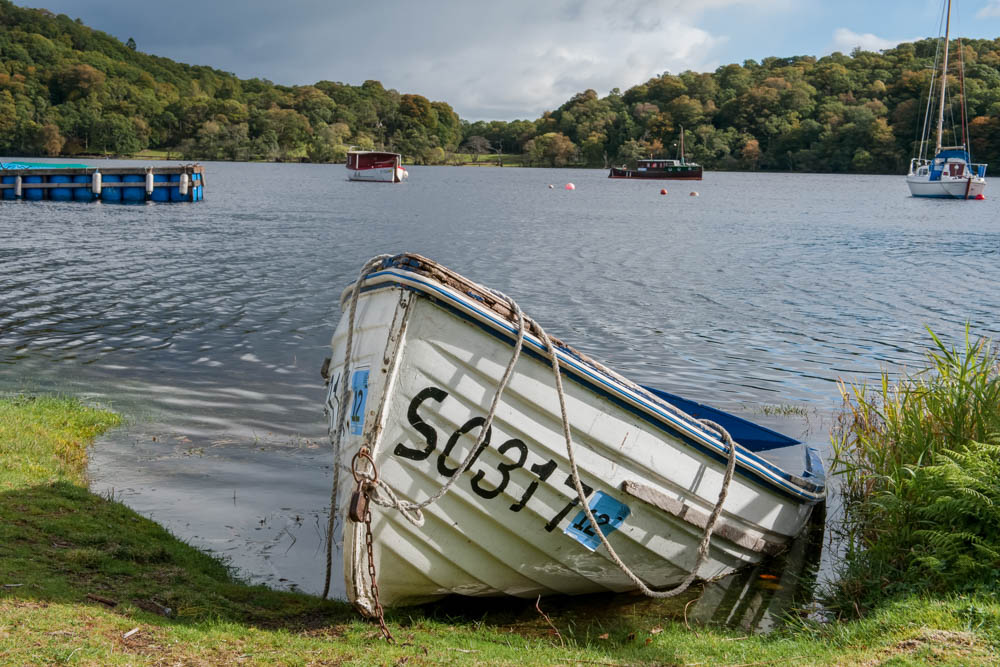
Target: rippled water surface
{"type": "Point", "coordinates": [206, 323]}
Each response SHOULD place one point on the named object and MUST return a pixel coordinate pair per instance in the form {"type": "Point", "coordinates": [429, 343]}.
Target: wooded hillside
{"type": "Point", "coordinates": [66, 89]}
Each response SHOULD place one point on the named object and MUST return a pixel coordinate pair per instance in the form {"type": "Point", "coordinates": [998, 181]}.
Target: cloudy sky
{"type": "Point", "coordinates": [513, 58]}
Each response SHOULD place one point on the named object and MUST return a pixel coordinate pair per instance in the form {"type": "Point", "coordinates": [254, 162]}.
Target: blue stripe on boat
{"type": "Point", "coordinates": [764, 471]}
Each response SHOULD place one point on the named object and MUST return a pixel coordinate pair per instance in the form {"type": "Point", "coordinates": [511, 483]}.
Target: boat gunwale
{"type": "Point", "coordinates": [593, 375]}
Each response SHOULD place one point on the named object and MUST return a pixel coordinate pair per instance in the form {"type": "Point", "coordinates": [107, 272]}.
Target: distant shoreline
{"type": "Point", "coordinates": [513, 162]}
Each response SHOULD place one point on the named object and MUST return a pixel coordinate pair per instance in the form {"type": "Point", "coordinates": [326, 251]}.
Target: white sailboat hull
{"type": "Point", "coordinates": [428, 359]}
{"type": "Point", "coordinates": [947, 188]}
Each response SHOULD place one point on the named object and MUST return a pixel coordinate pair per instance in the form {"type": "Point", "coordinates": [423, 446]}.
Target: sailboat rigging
{"type": "Point", "coordinates": [951, 172]}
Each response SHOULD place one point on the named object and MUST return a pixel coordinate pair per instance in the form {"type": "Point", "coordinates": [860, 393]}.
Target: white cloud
{"type": "Point", "coordinates": [991, 10]}
{"type": "Point", "coordinates": [845, 40]}
{"type": "Point", "coordinates": [528, 56]}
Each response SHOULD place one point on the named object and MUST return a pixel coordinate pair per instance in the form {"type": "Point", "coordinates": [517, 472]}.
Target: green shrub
{"type": "Point", "coordinates": [920, 464]}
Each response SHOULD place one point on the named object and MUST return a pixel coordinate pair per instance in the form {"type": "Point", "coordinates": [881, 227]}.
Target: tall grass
{"type": "Point", "coordinates": [920, 463]}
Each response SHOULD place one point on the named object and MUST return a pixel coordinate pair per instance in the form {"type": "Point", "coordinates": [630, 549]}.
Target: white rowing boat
{"type": "Point", "coordinates": [428, 349]}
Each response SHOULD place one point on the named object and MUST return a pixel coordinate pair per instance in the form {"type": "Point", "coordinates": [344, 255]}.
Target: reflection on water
{"type": "Point", "coordinates": [206, 324]}
{"type": "Point", "coordinates": [758, 599]}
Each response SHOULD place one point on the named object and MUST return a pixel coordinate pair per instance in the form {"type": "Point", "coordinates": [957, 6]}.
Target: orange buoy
{"type": "Point", "coordinates": [663, 191]}
{"type": "Point", "coordinates": [693, 194]}
{"type": "Point", "coordinates": [570, 186]}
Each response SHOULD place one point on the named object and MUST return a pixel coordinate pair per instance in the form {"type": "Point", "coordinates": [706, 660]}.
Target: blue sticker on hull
{"type": "Point", "coordinates": [609, 514]}
{"type": "Point", "coordinates": [359, 395]}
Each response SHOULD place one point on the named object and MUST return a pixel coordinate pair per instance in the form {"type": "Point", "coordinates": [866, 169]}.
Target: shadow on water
{"type": "Point", "coordinates": [756, 599]}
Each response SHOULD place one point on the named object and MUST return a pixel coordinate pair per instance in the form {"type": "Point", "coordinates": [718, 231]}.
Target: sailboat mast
{"type": "Point", "coordinates": [944, 79]}
{"type": "Point", "coordinates": [682, 138]}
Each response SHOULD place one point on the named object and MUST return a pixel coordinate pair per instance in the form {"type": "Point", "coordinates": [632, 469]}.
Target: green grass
{"type": "Point", "coordinates": [150, 154]}
{"type": "Point", "coordinates": [488, 159]}
{"type": "Point", "coordinates": [43, 440]}
{"type": "Point", "coordinates": [79, 572]}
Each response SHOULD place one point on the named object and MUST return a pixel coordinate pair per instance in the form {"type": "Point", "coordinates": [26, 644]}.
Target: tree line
{"type": "Point", "coordinates": [66, 89]}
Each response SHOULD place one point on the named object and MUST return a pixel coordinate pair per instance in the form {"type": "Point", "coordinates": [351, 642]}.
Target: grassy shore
{"type": "Point", "coordinates": [86, 581]}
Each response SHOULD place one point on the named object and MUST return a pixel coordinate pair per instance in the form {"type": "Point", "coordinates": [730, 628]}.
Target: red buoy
{"type": "Point", "coordinates": [570, 186]}
{"type": "Point", "coordinates": [980, 197]}
{"type": "Point", "coordinates": [663, 191]}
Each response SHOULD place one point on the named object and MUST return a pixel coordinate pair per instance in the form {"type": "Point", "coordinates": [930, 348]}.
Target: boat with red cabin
{"type": "Point", "coordinates": [375, 166]}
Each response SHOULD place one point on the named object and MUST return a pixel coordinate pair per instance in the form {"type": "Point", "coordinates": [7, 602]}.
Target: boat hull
{"type": "Point", "coordinates": [686, 173]}
{"type": "Point", "coordinates": [425, 364]}
{"type": "Point", "coordinates": [958, 188]}
{"type": "Point", "coordinates": [378, 174]}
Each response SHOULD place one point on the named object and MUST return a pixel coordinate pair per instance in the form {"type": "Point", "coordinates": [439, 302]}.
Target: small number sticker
{"type": "Point", "coordinates": [609, 514]}
{"type": "Point", "coordinates": [359, 395]}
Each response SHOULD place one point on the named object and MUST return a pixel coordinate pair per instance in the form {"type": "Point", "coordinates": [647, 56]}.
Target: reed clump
{"type": "Point", "coordinates": [919, 458]}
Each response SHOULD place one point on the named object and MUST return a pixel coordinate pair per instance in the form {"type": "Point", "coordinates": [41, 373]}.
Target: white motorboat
{"type": "Point", "coordinates": [375, 166]}
{"type": "Point", "coordinates": [950, 174]}
{"type": "Point", "coordinates": [428, 350]}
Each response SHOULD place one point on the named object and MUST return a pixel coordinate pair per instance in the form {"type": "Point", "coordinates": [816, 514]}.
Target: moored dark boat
{"type": "Point", "coordinates": [660, 168]}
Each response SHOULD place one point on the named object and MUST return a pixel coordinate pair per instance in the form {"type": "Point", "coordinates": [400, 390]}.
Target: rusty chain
{"type": "Point", "coordinates": [360, 512]}
{"type": "Point", "coordinates": [371, 572]}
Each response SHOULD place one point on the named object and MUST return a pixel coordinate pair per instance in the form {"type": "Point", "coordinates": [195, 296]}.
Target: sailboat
{"type": "Point", "coordinates": [951, 173]}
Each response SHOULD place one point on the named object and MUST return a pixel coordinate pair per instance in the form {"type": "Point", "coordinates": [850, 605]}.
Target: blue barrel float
{"type": "Point", "coordinates": [83, 194]}
{"type": "Point", "coordinates": [110, 190]}
{"type": "Point", "coordinates": [175, 192]}
{"type": "Point", "coordinates": [32, 194]}
{"type": "Point", "coordinates": [60, 194]}
{"type": "Point", "coordinates": [9, 192]}
{"type": "Point", "coordinates": [134, 194]}
{"type": "Point", "coordinates": [161, 194]}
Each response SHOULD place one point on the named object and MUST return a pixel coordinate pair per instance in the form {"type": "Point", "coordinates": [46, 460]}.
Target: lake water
{"type": "Point", "coordinates": [206, 324]}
